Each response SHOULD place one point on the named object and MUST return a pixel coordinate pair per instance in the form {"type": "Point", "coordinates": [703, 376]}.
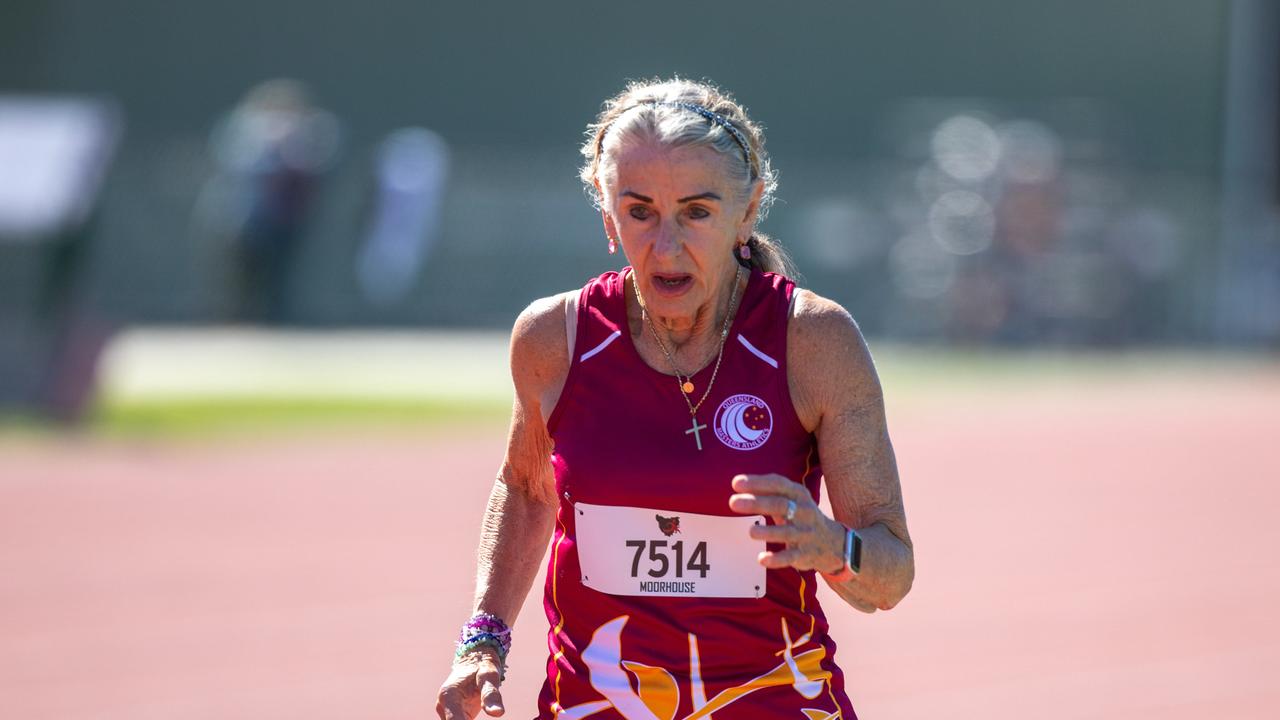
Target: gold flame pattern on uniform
{"type": "Point", "coordinates": [655, 693]}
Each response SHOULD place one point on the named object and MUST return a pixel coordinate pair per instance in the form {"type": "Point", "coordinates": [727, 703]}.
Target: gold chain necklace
{"type": "Point", "coordinates": [686, 382]}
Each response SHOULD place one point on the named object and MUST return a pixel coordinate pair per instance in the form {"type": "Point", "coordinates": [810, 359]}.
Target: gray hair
{"type": "Point", "coordinates": [667, 111]}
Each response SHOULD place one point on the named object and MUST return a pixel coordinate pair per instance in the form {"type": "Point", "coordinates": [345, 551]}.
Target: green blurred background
{"type": "Point", "coordinates": [980, 174]}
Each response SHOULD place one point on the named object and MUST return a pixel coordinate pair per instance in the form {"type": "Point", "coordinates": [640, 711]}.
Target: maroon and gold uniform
{"type": "Point", "coordinates": [654, 612]}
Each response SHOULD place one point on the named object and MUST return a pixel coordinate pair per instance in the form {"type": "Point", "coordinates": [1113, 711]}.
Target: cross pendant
{"type": "Point", "coordinates": [697, 437]}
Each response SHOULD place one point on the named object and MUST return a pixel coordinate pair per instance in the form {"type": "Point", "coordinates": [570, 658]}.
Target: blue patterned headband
{"type": "Point", "coordinates": [714, 117]}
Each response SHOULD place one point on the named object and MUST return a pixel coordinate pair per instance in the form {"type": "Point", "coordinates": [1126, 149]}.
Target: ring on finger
{"type": "Point", "coordinates": [791, 511]}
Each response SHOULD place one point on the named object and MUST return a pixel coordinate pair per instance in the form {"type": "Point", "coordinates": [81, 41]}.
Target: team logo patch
{"type": "Point", "coordinates": [743, 422]}
{"type": "Point", "coordinates": [668, 525]}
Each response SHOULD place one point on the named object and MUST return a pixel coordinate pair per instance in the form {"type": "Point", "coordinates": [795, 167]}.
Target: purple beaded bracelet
{"type": "Point", "coordinates": [485, 629]}
{"type": "Point", "coordinates": [486, 622]}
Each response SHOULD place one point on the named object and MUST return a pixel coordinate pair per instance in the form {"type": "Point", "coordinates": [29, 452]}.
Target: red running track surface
{"type": "Point", "coordinates": [1080, 554]}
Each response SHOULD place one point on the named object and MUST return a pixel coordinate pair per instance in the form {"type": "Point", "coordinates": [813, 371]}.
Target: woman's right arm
{"type": "Point", "coordinates": [522, 505]}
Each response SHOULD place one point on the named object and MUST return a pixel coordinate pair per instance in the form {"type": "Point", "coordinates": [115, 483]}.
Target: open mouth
{"type": "Point", "coordinates": [671, 282]}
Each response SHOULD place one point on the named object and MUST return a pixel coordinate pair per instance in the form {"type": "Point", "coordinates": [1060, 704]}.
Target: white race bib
{"type": "Point", "coordinates": [644, 551]}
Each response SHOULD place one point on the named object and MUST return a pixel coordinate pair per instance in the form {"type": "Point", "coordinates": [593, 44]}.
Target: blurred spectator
{"type": "Point", "coordinates": [271, 151]}
{"type": "Point", "coordinates": [1013, 239]}
{"type": "Point", "coordinates": [410, 173]}
{"type": "Point", "coordinates": [54, 156]}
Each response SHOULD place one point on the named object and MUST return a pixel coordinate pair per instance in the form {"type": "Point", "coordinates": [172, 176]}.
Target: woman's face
{"type": "Point", "coordinates": [678, 219]}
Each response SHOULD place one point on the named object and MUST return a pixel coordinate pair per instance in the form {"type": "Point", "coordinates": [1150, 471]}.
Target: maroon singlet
{"type": "Point", "coordinates": [620, 437]}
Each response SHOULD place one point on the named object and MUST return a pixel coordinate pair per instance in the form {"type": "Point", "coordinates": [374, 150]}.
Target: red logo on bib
{"type": "Point", "coordinates": [668, 525]}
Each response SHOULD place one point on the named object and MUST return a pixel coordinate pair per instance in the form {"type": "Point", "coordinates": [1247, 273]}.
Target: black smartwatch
{"type": "Point", "coordinates": [852, 557]}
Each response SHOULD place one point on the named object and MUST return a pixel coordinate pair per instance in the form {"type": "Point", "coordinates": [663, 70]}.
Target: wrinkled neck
{"type": "Point", "coordinates": [692, 340]}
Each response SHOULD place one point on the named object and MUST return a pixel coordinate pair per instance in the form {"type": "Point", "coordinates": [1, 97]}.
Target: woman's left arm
{"type": "Point", "coordinates": [837, 396]}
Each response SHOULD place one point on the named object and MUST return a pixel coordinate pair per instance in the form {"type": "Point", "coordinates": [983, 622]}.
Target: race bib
{"type": "Point", "coordinates": [643, 551]}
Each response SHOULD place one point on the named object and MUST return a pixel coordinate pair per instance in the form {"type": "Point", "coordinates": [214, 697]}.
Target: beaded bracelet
{"type": "Point", "coordinates": [488, 624]}
{"type": "Point", "coordinates": [479, 641]}
{"type": "Point", "coordinates": [486, 630]}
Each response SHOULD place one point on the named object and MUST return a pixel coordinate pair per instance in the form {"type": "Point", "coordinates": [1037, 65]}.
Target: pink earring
{"type": "Point", "coordinates": [744, 252]}
{"type": "Point", "coordinates": [613, 246]}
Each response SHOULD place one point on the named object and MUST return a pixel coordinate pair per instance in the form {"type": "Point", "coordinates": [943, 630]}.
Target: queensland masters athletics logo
{"type": "Point", "coordinates": [743, 422]}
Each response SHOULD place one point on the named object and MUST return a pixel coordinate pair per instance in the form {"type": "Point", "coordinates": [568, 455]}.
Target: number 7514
{"type": "Point", "coordinates": [659, 556]}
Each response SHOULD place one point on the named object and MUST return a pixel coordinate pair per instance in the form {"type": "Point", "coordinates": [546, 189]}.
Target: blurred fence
{"type": "Point", "coordinates": [987, 222]}
{"type": "Point", "coordinates": [991, 173]}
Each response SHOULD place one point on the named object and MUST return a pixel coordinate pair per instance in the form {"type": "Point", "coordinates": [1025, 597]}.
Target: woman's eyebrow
{"type": "Point", "coordinates": [699, 196]}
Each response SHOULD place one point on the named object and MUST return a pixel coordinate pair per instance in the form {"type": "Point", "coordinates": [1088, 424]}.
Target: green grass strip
{"type": "Point", "coordinates": [221, 416]}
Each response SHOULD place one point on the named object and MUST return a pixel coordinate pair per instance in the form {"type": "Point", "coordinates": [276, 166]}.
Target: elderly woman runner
{"type": "Point", "coordinates": [672, 425]}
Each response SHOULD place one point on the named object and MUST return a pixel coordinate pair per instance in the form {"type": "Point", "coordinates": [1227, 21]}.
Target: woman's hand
{"type": "Point", "coordinates": [814, 541]}
{"type": "Point", "coordinates": [474, 679]}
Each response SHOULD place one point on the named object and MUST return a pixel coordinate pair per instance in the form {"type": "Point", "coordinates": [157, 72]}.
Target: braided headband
{"type": "Point", "coordinates": [710, 115]}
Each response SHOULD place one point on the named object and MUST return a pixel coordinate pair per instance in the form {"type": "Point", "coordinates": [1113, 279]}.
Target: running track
{"type": "Point", "coordinates": [1083, 551]}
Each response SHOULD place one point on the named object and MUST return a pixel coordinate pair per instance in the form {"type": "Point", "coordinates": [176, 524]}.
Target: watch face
{"type": "Point", "coordinates": [855, 559]}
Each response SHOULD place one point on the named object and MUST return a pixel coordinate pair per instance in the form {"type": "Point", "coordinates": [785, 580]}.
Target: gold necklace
{"type": "Point", "coordinates": [686, 382]}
